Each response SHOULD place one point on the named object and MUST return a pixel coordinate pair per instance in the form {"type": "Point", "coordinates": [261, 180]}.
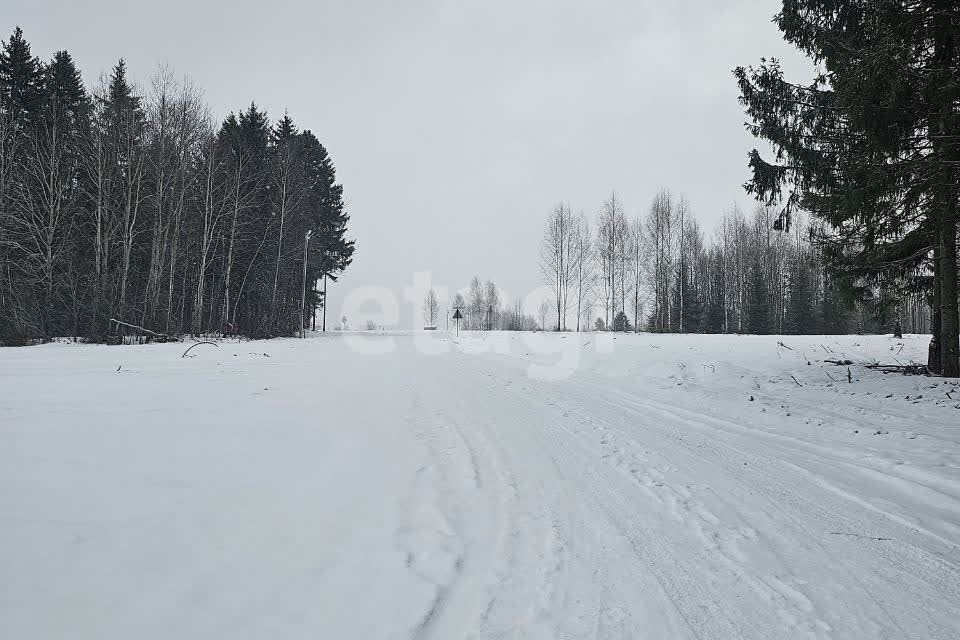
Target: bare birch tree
{"type": "Point", "coordinates": [659, 225]}
{"type": "Point", "coordinates": [583, 257]}
{"type": "Point", "coordinates": [557, 263]}
{"type": "Point", "coordinates": [431, 308]}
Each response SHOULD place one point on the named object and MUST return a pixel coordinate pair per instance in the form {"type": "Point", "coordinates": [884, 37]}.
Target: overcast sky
{"type": "Point", "coordinates": [456, 126]}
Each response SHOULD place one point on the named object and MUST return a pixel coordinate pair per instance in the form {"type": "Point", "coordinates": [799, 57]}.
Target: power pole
{"type": "Point", "coordinates": [303, 295]}
{"type": "Point", "coordinates": [324, 303]}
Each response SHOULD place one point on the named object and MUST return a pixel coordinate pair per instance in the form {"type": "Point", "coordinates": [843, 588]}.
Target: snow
{"type": "Point", "coordinates": [415, 485]}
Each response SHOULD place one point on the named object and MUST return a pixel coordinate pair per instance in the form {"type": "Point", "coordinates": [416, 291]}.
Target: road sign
{"type": "Point", "coordinates": [456, 316]}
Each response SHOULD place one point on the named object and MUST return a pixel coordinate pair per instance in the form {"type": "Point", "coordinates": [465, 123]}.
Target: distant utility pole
{"type": "Point", "coordinates": [324, 303]}
{"type": "Point", "coordinates": [303, 295]}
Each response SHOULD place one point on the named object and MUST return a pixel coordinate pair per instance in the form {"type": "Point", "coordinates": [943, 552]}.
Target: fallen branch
{"type": "Point", "coordinates": [121, 323]}
{"type": "Point", "coordinates": [197, 345]}
{"type": "Point", "coordinates": [840, 363]}
{"type": "Point", "coordinates": [784, 346]}
{"type": "Point", "coordinates": [797, 381]}
{"type": "Point", "coordinates": [905, 369]}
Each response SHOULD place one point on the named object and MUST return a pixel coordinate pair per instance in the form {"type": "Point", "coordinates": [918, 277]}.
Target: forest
{"type": "Point", "coordinates": [660, 272]}
{"type": "Point", "coordinates": [124, 209]}
{"type": "Point", "coordinates": [870, 147]}
{"type": "Point", "coordinates": [855, 228]}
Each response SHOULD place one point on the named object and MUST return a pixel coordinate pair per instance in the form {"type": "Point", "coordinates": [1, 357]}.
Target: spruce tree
{"type": "Point", "coordinates": [688, 309]}
{"type": "Point", "coordinates": [287, 188]}
{"type": "Point", "coordinates": [872, 145]}
{"type": "Point", "coordinates": [800, 305]}
{"type": "Point", "coordinates": [332, 251]}
{"type": "Point", "coordinates": [123, 131]}
{"type": "Point", "coordinates": [621, 322]}
{"type": "Point", "coordinates": [21, 83]}
{"type": "Point", "coordinates": [758, 299]}
{"type": "Point", "coordinates": [21, 90]}
{"type": "Point", "coordinates": [715, 302]}
{"type": "Point", "coordinates": [244, 140]}
{"type": "Point", "coordinates": [107, 204]}
{"type": "Point", "coordinates": [50, 192]}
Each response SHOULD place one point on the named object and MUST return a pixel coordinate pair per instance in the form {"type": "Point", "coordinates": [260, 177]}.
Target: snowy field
{"type": "Point", "coordinates": [495, 486]}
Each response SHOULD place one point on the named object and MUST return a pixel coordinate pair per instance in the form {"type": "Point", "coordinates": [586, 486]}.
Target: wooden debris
{"type": "Point", "coordinates": [905, 369]}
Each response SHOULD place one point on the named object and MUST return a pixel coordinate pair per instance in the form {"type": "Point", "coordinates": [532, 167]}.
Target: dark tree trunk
{"type": "Point", "coordinates": [949, 329]}
{"type": "Point", "coordinates": [933, 353]}
{"type": "Point", "coordinates": [946, 154]}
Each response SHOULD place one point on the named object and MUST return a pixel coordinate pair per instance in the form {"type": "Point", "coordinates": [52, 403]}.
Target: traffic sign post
{"type": "Point", "coordinates": [456, 316]}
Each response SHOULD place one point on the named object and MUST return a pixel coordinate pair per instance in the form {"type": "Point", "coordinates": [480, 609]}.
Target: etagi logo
{"type": "Point", "coordinates": [553, 355]}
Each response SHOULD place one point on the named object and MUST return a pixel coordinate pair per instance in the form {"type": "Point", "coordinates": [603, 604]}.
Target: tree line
{"type": "Point", "coordinates": [130, 205]}
{"type": "Point", "coordinates": [661, 272]}
{"type": "Point", "coordinates": [483, 307]}
{"type": "Point", "coordinates": [856, 223]}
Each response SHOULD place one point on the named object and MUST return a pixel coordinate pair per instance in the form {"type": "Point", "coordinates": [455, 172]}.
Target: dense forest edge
{"type": "Point", "coordinates": [870, 147]}
{"type": "Point", "coordinates": [129, 211]}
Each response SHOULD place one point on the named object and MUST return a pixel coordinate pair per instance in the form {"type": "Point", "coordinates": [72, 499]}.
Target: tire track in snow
{"type": "Point", "coordinates": [473, 502]}
{"type": "Point", "coordinates": [920, 567]}
{"type": "Point", "coordinates": [682, 606]}
{"type": "Point", "coordinates": [427, 537]}
{"type": "Point", "coordinates": [784, 448]}
{"type": "Point", "coordinates": [530, 590]}
{"type": "Point", "coordinates": [677, 501]}
{"type": "Point", "coordinates": [769, 587]}
{"type": "Point", "coordinates": [522, 582]}
{"type": "Point", "coordinates": [657, 510]}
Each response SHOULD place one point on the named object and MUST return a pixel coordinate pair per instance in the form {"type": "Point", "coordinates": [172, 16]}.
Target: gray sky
{"type": "Point", "coordinates": [456, 126]}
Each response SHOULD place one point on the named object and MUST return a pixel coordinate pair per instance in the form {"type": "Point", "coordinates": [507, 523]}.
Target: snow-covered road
{"type": "Point", "coordinates": [495, 486]}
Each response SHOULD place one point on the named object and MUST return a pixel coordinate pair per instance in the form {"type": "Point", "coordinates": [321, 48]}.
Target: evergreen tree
{"type": "Point", "coordinates": [108, 203]}
{"type": "Point", "coordinates": [287, 188]}
{"type": "Point", "coordinates": [758, 300]}
{"type": "Point", "coordinates": [125, 122]}
{"type": "Point", "coordinates": [332, 250]}
{"type": "Point", "coordinates": [688, 309]}
{"type": "Point", "coordinates": [21, 91]}
{"type": "Point", "coordinates": [872, 145]}
{"type": "Point", "coordinates": [621, 322]}
{"type": "Point", "coordinates": [714, 304]}
{"type": "Point", "coordinates": [21, 83]}
{"type": "Point", "coordinates": [49, 196]}
{"type": "Point", "coordinates": [800, 307]}
{"type": "Point", "coordinates": [245, 139]}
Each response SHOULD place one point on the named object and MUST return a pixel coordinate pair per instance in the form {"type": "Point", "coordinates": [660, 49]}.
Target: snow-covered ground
{"type": "Point", "coordinates": [495, 486]}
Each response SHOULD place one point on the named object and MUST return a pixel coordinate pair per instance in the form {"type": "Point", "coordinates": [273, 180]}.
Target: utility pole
{"type": "Point", "coordinates": [303, 295]}
{"type": "Point", "coordinates": [324, 303]}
